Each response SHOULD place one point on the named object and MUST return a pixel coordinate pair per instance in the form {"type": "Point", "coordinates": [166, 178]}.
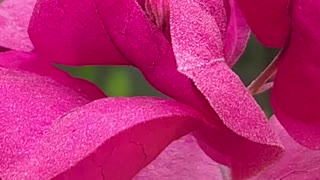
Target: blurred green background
{"type": "Point", "coordinates": [128, 81]}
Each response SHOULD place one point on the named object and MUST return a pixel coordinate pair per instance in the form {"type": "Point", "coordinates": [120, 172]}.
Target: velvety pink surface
{"type": "Point", "coordinates": [133, 34]}
{"type": "Point", "coordinates": [72, 33]}
{"type": "Point", "coordinates": [198, 50]}
{"type": "Point", "coordinates": [298, 161]}
{"type": "Point", "coordinates": [14, 20]}
{"type": "Point", "coordinates": [183, 159]}
{"type": "Point", "coordinates": [244, 157]}
{"type": "Point", "coordinates": [295, 96]}
{"type": "Point", "coordinates": [145, 47]}
{"type": "Point", "coordinates": [29, 104]}
{"type": "Point", "coordinates": [31, 62]}
{"type": "Point", "coordinates": [269, 20]}
{"type": "Point", "coordinates": [111, 138]}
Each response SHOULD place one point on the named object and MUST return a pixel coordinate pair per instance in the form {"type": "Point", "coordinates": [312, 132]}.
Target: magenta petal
{"type": "Point", "coordinates": [29, 104]}
{"type": "Point", "coordinates": [244, 157]}
{"type": "Point", "coordinates": [31, 62]}
{"type": "Point", "coordinates": [14, 20]}
{"type": "Point", "coordinates": [198, 49]}
{"type": "Point", "coordinates": [110, 138]}
{"type": "Point", "coordinates": [295, 96]}
{"type": "Point", "coordinates": [144, 46]}
{"type": "Point", "coordinates": [183, 159]}
{"type": "Point", "coordinates": [298, 162]}
{"type": "Point", "coordinates": [199, 56]}
{"type": "Point", "coordinates": [237, 35]}
{"type": "Point", "coordinates": [269, 20]}
{"type": "Point", "coordinates": [73, 33]}
{"type": "Point", "coordinates": [195, 34]}
{"type": "Point", "coordinates": [251, 144]}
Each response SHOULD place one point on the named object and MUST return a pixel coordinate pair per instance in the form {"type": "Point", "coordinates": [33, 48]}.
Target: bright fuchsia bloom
{"type": "Point", "coordinates": [49, 109]}
{"type": "Point", "coordinates": [294, 26]}
{"type": "Point", "coordinates": [50, 126]}
{"type": "Point", "coordinates": [50, 123]}
{"type": "Point", "coordinates": [206, 38]}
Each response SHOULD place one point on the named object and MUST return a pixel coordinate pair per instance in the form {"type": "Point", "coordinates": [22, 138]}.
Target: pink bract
{"type": "Point", "coordinates": [14, 20]}
{"type": "Point", "coordinates": [292, 25]}
{"type": "Point", "coordinates": [209, 87]}
{"type": "Point", "coordinates": [51, 128]}
{"type": "Point", "coordinates": [298, 161]}
{"type": "Point", "coordinates": [269, 20]}
{"type": "Point", "coordinates": [295, 96]}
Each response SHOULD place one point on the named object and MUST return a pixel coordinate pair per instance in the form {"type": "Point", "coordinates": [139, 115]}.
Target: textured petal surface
{"type": "Point", "coordinates": [298, 162]}
{"type": "Point", "coordinates": [14, 20]}
{"type": "Point", "coordinates": [237, 35]}
{"type": "Point", "coordinates": [32, 63]}
{"type": "Point", "coordinates": [144, 46]}
{"type": "Point", "coordinates": [111, 138]}
{"type": "Point", "coordinates": [183, 159]}
{"type": "Point", "coordinates": [269, 20]}
{"type": "Point", "coordinates": [29, 104]}
{"type": "Point", "coordinates": [72, 33]}
{"type": "Point", "coordinates": [295, 96]}
{"type": "Point", "coordinates": [244, 157]}
{"type": "Point", "coordinates": [198, 49]}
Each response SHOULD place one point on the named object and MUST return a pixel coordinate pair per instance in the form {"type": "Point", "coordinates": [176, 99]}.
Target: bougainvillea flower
{"type": "Point", "coordinates": [51, 127]}
{"type": "Point", "coordinates": [14, 20]}
{"type": "Point", "coordinates": [192, 65]}
{"type": "Point", "coordinates": [298, 161]}
{"type": "Point", "coordinates": [295, 96]}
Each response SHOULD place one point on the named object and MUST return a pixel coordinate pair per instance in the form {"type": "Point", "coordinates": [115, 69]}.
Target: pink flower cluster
{"type": "Point", "coordinates": [54, 126]}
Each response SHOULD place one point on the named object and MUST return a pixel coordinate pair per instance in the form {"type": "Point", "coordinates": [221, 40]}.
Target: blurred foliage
{"type": "Point", "coordinates": [128, 81]}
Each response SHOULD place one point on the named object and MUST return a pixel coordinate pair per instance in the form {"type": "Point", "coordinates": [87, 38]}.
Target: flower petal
{"type": "Point", "coordinates": [245, 158]}
{"type": "Point", "coordinates": [269, 20]}
{"type": "Point", "coordinates": [295, 95]}
{"type": "Point", "coordinates": [29, 104]}
{"type": "Point", "coordinates": [198, 50]}
{"type": "Point", "coordinates": [145, 47]}
{"type": "Point", "coordinates": [31, 62]}
{"type": "Point", "coordinates": [237, 35]}
{"type": "Point", "coordinates": [14, 21]}
{"type": "Point", "coordinates": [111, 138]}
{"type": "Point", "coordinates": [298, 162]}
{"type": "Point", "coordinates": [183, 159]}
{"type": "Point", "coordinates": [72, 33]}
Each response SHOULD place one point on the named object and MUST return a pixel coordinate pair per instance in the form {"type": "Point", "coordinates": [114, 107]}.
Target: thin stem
{"type": "Point", "coordinates": [264, 88]}
{"type": "Point", "coordinates": [269, 72]}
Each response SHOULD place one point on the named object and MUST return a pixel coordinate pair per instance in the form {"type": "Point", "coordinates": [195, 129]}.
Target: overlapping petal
{"type": "Point", "coordinates": [237, 35]}
{"type": "Point", "coordinates": [14, 21]}
{"type": "Point", "coordinates": [198, 50]}
{"type": "Point", "coordinates": [29, 105]}
{"type": "Point", "coordinates": [109, 138]}
{"type": "Point", "coordinates": [137, 38]}
{"type": "Point", "coordinates": [72, 33]}
{"type": "Point", "coordinates": [295, 96]}
{"type": "Point", "coordinates": [50, 129]}
{"type": "Point", "coordinates": [183, 159]}
{"type": "Point", "coordinates": [244, 157]}
{"type": "Point", "coordinates": [32, 63]}
{"type": "Point", "coordinates": [144, 46]}
{"type": "Point", "coordinates": [298, 161]}
{"type": "Point", "coordinates": [269, 20]}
